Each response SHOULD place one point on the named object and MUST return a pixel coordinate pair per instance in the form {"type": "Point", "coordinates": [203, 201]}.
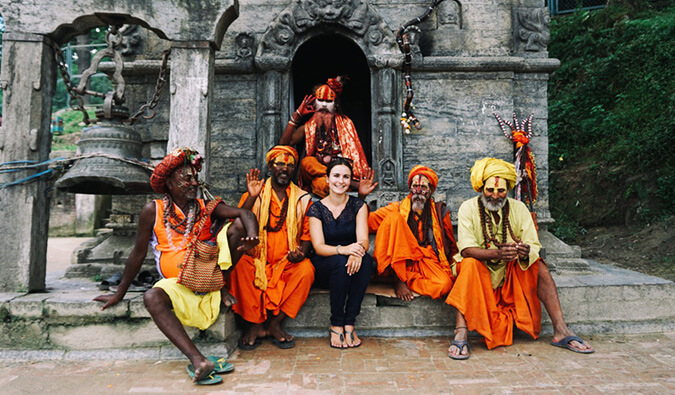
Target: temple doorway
{"type": "Point", "coordinates": [327, 56]}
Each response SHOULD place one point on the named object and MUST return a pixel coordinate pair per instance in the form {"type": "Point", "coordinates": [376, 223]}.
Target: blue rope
{"type": "Point", "coordinates": [26, 179]}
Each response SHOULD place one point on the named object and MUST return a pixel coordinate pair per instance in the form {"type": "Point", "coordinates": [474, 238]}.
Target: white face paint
{"type": "Point", "coordinates": [327, 105]}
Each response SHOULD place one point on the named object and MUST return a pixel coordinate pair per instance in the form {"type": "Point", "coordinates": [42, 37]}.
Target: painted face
{"type": "Point", "coordinates": [420, 189]}
{"type": "Point", "coordinates": [494, 193]}
{"type": "Point", "coordinates": [324, 105]}
{"type": "Point", "coordinates": [282, 168]}
{"type": "Point", "coordinates": [339, 179]}
{"type": "Point", "coordinates": [183, 183]}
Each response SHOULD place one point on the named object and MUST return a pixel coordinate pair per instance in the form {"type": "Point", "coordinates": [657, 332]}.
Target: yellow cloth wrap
{"type": "Point", "coordinates": [200, 311]}
{"type": "Point", "coordinates": [404, 210]}
{"type": "Point", "coordinates": [490, 167]}
{"type": "Point", "coordinates": [261, 208]}
{"type": "Point", "coordinates": [280, 150]}
{"type": "Point", "coordinates": [224, 256]}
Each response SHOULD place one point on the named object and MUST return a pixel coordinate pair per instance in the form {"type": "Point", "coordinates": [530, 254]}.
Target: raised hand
{"type": "Point", "coordinates": [254, 184]}
{"type": "Point", "coordinates": [366, 184]}
{"type": "Point", "coordinates": [307, 106]}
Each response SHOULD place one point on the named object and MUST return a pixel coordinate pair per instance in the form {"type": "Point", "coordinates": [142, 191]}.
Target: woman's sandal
{"type": "Point", "coordinates": [350, 334]}
{"type": "Point", "coordinates": [342, 339]}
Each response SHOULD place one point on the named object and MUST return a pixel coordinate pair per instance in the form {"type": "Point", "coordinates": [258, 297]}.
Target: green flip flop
{"type": "Point", "coordinates": [222, 366]}
{"type": "Point", "coordinates": [208, 380]}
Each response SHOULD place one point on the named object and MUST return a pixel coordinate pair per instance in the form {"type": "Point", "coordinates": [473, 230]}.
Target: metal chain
{"type": "Point", "coordinates": [61, 64]}
{"type": "Point", "coordinates": [161, 80]}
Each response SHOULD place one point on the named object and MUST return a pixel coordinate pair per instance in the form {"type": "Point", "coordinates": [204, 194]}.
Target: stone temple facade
{"type": "Point", "coordinates": [239, 69]}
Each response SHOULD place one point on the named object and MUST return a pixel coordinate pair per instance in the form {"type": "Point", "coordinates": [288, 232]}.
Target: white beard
{"type": "Point", "coordinates": [495, 205]}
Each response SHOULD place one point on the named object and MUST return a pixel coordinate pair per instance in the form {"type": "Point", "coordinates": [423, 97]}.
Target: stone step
{"type": "Point", "coordinates": [605, 299]}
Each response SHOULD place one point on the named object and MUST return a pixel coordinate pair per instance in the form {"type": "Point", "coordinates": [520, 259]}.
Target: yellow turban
{"type": "Point", "coordinates": [280, 150]}
{"type": "Point", "coordinates": [426, 172]}
{"type": "Point", "coordinates": [491, 167]}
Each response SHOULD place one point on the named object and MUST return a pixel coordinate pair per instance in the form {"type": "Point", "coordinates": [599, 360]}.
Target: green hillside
{"type": "Point", "coordinates": [611, 116]}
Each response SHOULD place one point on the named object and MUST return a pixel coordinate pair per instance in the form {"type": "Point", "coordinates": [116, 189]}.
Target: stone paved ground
{"type": "Point", "coordinates": [621, 364]}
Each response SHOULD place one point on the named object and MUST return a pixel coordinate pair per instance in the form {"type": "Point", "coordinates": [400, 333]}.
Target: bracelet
{"type": "Point", "coordinates": [292, 123]}
{"type": "Point", "coordinates": [336, 249]}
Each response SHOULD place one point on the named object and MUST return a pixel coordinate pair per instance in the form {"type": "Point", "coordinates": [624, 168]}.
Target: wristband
{"type": "Point", "coordinates": [336, 249]}
{"type": "Point", "coordinates": [292, 122]}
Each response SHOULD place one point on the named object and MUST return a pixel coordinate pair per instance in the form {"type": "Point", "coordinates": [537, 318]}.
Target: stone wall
{"type": "Point", "coordinates": [472, 61]}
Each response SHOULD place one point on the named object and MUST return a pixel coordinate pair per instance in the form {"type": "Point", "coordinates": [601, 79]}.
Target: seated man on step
{"type": "Point", "coordinates": [169, 225]}
{"type": "Point", "coordinates": [499, 276]}
{"type": "Point", "coordinates": [415, 242]}
{"type": "Point", "coordinates": [273, 280]}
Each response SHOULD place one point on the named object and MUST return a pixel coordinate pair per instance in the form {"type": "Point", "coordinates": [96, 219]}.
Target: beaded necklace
{"type": "Point", "coordinates": [488, 234]}
{"type": "Point", "coordinates": [281, 219]}
{"type": "Point", "coordinates": [173, 223]}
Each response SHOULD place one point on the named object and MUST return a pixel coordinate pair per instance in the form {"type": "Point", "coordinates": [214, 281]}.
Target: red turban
{"type": "Point", "coordinates": [280, 150]}
{"type": "Point", "coordinates": [178, 157]}
{"type": "Point", "coordinates": [425, 171]}
{"type": "Point", "coordinates": [325, 93]}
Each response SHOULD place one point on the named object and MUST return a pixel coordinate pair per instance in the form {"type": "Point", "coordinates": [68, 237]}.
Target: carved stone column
{"type": "Point", "coordinates": [387, 132]}
{"type": "Point", "coordinates": [28, 76]}
{"type": "Point", "coordinates": [271, 103]}
{"type": "Point", "coordinates": [191, 88]}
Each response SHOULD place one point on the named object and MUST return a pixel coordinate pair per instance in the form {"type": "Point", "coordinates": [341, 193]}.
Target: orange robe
{"type": "Point", "coordinates": [312, 172]}
{"type": "Point", "coordinates": [492, 312]}
{"type": "Point", "coordinates": [288, 284]}
{"type": "Point", "coordinates": [494, 295]}
{"type": "Point", "coordinates": [422, 269]}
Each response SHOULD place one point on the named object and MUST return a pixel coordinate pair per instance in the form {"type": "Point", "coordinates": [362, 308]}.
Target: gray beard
{"type": "Point", "coordinates": [494, 205]}
{"type": "Point", "coordinates": [417, 205]}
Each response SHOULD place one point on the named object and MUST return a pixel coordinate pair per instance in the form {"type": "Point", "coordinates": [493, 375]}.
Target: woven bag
{"type": "Point", "coordinates": [199, 270]}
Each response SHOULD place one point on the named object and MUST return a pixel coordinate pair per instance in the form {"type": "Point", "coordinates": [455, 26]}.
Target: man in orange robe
{"type": "Point", "coordinates": [415, 239]}
{"type": "Point", "coordinates": [276, 276]}
{"type": "Point", "coordinates": [327, 134]}
{"type": "Point", "coordinates": [500, 278]}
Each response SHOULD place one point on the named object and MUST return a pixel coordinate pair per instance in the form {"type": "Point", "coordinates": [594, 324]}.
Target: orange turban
{"type": "Point", "coordinates": [178, 157]}
{"type": "Point", "coordinates": [324, 92]}
{"type": "Point", "coordinates": [280, 150]}
{"type": "Point", "coordinates": [491, 167]}
{"type": "Point", "coordinates": [426, 172]}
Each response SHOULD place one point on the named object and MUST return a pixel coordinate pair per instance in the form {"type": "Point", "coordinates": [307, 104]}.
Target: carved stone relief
{"type": "Point", "coordinates": [531, 29]}
{"type": "Point", "coordinates": [131, 39]}
{"type": "Point", "coordinates": [367, 27]}
{"type": "Point", "coordinates": [244, 43]}
{"type": "Point", "coordinates": [449, 14]}
{"type": "Point", "coordinates": [388, 174]}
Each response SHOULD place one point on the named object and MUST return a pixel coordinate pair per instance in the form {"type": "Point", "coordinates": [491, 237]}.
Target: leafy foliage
{"type": "Point", "coordinates": [611, 103]}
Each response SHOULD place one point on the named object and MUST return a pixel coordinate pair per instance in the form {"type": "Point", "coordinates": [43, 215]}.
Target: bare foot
{"type": "Point", "coordinates": [275, 330]}
{"type": "Point", "coordinates": [227, 299]}
{"type": "Point", "coordinates": [203, 368]}
{"type": "Point", "coordinates": [402, 291]}
{"type": "Point", "coordinates": [461, 334]}
{"type": "Point", "coordinates": [561, 334]}
{"type": "Point", "coordinates": [256, 331]}
{"type": "Point", "coordinates": [351, 338]}
{"type": "Point", "coordinates": [337, 337]}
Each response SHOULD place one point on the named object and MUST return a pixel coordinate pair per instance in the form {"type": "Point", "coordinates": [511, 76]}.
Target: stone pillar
{"type": "Point", "coordinates": [270, 116]}
{"type": "Point", "coordinates": [386, 137]}
{"type": "Point", "coordinates": [28, 79]}
{"type": "Point", "coordinates": [191, 87]}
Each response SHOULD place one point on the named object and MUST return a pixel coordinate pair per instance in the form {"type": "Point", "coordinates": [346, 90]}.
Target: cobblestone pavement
{"type": "Point", "coordinates": [621, 364]}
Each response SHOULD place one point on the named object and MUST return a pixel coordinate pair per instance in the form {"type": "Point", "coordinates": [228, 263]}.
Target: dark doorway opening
{"type": "Point", "coordinates": [327, 56]}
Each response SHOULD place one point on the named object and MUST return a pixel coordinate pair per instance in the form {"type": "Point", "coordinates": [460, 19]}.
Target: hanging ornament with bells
{"type": "Point", "coordinates": [110, 152]}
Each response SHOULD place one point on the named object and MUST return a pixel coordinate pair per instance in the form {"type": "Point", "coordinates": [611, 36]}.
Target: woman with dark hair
{"type": "Point", "coordinates": [338, 226]}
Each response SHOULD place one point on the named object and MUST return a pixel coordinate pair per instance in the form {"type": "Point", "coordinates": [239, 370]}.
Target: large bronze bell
{"type": "Point", "coordinates": [112, 168]}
